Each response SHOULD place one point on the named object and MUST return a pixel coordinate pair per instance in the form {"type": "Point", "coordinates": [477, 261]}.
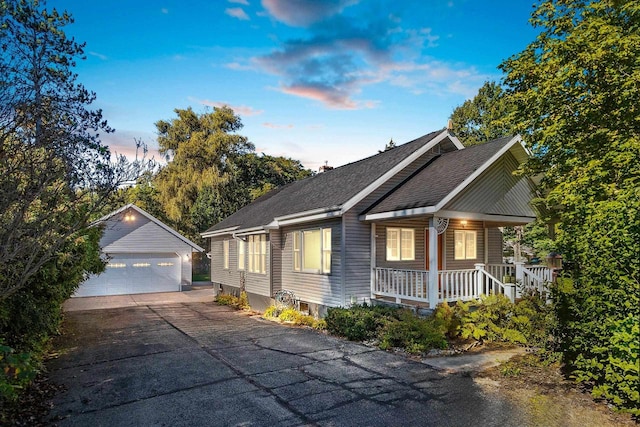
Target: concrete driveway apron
{"type": "Point", "coordinates": [200, 364]}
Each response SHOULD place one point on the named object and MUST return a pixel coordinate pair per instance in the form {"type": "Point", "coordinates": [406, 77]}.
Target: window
{"type": "Point", "coordinates": [401, 244]}
{"type": "Point", "coordinates": [465, 244]}
{"type": "Point", "coordinates": [312, 250]}
{"type": "Point", "coordinates": [241, 251]}
{"type": "Point", "coordinates": [258, 253]}
{"type": "Point", "coordinates": [225, 254]}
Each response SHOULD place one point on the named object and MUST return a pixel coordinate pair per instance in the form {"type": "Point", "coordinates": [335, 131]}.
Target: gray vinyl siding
{"type": "Point", "coordinates": [140, 235]}
{"type": "Point", "coordinates": [453, 264]}
{"type": "Point", "coordinates": [495, 246]}
{"type": "Point", "coordinates": [255, 283]}
{"type": "Point", "coordinates": [357, 258]}
{"type": "Point", "coordinates": [275, 240]}
{"type": "Point", "coordinates": [315, 288]}
{"type": "Point", "coordinates": [419, 225]}
{"type": "Point", "coordinates": [497, 191]}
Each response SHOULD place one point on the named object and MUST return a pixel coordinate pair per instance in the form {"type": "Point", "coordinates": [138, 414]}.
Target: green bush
{"type": "Point", "coordinates": [17, 370]}
{"type": "Point", "coordinates": [599, 309]}
{"type": "Point", "coordinates": [32, 315]}
{"type": "Point", "coordinates": [271, 312]}
{"type": "Point", "coordinates": [415, 334]}
{"type": "Point", "coordinates": [358, 323]}
{"type": "Point", "coordinates": [239, 303]}
{"type": "Point", "coordinates": [446, 317]}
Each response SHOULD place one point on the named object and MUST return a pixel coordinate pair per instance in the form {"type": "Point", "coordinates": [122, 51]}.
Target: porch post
{"type": "Point", "coordinates": [519, 277]}
{"type": "Point", "coordinates": [433, 264]}
{"type": "Point", "coordinates": [480, 279]}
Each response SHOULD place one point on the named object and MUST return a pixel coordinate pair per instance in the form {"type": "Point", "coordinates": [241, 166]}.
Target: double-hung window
{"type": "Point", "coordinates": [312, 250]}
{"type": "Point", "coordinates": [258, 253]}
{"type": "Point", "coordinates": [401, 244]}
{"type": "Point", "coordinates": [225, 254]}
{"type": "Point", "coordinates": [465, 244]}
{"type": "Point", "coordinates": [241, 253]}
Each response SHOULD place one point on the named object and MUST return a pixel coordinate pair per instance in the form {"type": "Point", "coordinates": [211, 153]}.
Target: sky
{"type": "Point", "coordinates": [320, 81]}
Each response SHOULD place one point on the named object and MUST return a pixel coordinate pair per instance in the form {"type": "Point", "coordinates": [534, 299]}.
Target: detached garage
{"type": "Point", "coordinates": [144, 255]}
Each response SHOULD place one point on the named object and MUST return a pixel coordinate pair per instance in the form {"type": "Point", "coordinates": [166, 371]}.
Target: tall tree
{"type": "Point", "coordinates": [483, 118]}
{"type": "Point", "coordinates": [576, 91]}
{"type": "Point", "coordinates": [54, 170]}
{"type": "Point", "coordinates": [212, 171]}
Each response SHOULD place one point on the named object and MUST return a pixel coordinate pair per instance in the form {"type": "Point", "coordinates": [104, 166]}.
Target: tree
{"type": "Point", "coordinates": [576, 96]}
{"type": "Point", "coordinates": [55, 174]}
{"type": "Point", "coordinates": [484, 117]}
{"type": "Point", "coordinates": [212, 171]}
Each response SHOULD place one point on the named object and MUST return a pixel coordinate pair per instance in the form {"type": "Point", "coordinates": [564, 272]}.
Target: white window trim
{"type": "Point", "coordinates": [401, 256]}
{"type": "Point", "coordinates": [325, 252]}
{"type": "Point", "coordinates": [241, 247]}
{"type": "Point", "coordinates": [258, 253]}
{"type": "Point", "coordinates": [465, 236]}
{"type": "Point", "coordinates": [225, 254]}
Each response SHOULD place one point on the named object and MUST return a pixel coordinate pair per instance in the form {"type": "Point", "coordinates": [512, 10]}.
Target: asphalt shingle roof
{"type": "Point", "coordinates": [438, 178]}
{"type": "Point", "coordinates": [324, 190]}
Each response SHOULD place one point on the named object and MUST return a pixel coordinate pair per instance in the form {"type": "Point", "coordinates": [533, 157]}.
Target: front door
{"type": "Point", "coordinates": [426, 250]}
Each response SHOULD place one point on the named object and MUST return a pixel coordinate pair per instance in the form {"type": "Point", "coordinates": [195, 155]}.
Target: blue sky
{"type": "Point", "coordinates": [317, 81]}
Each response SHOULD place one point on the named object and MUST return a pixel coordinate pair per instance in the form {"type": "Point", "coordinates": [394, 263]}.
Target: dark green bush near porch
{"type": "Point", "coordinates": [416, 335]}
{"type": "Point", "coordinates": [360, 322]}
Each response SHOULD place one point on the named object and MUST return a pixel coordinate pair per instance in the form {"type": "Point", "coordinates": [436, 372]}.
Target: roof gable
{"type": "Point", "coordinates": [335, 190]}
{"type": "Point", "coordinates": [448, 176]}
{"type": "Point", "coordinates": [146, 223]}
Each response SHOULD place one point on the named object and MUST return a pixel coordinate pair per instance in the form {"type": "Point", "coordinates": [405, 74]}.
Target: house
{"type": "Point", "coordinates": [143, 255]}
{"type": "Point", "coordinates": [415, 224]}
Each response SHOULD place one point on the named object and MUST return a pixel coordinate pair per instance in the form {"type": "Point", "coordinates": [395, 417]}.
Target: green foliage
{"type": "Point", "coordinates": [495, 318]}
{"type": "Point", "coordinates": [272, 312]}
{"type": "Point", "coordinates": [289, 315]}
{"type": "Point", "coordinates": [358, 323]}
{"type": "Point", "coordinates": [239, 303]}
{"type": "Point", "coordinates": [446, 316]}
{"type": "Point", "coordinates": [415, 334]}
{"type": "Point", "coordinates": [212, 171]}
{"type": "Point", "coordinates": [483, 118]}
{"type": "Point", "coordinates": [30, 317]}
{"type": "Point", "coordinates": [576, 93]}
{"type": "Point", "coordinates": [17, 370]}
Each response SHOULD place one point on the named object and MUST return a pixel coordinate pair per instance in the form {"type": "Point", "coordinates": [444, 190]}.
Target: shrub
{"type": "Point", "coordinates": [239, 303]}
{"type": "Point", "coordinates": [16, 371]}
{"type": "Point", "coordinates": [271, 312]}
{"type": "Point", "coordinates": [289, 315]}
{"type": "Point", "coordinates": [491, 319]}
{"type": "Point", "coordinates": [599, 317]}
{"type": "Point", "coordinates": [358, 323]}
{"type": "Point", "coordinates": [446, 317]}
{"type": "Point", "coordinates": [412, 333]}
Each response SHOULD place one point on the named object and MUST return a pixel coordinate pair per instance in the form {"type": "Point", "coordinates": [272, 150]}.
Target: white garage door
{"type": "Point", "coordinates": [135, 274]}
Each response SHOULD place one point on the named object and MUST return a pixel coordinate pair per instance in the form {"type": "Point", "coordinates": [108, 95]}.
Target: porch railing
{"type": "Point", "coordinates": [531, 277]}
{"type": "Point", "coordinates": [410, 285]}
{"type": "Point", "coordinates": [413, 285]}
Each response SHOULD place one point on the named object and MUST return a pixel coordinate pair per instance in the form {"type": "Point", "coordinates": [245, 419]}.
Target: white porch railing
{"type": "Point", "coordinates": [413, 285]}
{"type": "Point", "coordinates": [532, 277]}
{"type": "Point", "coordinates": [410, 285]}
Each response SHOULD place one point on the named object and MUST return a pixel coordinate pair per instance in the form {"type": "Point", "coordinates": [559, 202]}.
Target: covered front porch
{"type": "Point", "coordinates": [404, 286]}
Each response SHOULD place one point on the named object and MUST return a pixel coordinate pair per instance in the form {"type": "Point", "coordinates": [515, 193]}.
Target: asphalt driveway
{"type": "Point", "coordinates": [200, 364]}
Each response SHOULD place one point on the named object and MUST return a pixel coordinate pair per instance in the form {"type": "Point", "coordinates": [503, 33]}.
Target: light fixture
{"type": "Point", "coordinates": [129, 217]}
{"type": "Point", "coordinates": [463, 223]}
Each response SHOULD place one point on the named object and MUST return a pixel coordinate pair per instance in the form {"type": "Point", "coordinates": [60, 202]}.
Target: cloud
{"type": "Point", "coordinates": [275, 126]}
{"type": "Point", "coordinates": [99, 55]}
{"type": "Point", "coordinates": [237, 12]}
{"type": "Point", "coordinates": [164, 10]}
{"type": "Point", "coordinates": [342, 55]}
{"type": "Point", "coordinates": [242, 110]}
{"type": "Point", "coordinates": [301, 13]}
{"type": "Point", "coordinates": [243, 2]}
